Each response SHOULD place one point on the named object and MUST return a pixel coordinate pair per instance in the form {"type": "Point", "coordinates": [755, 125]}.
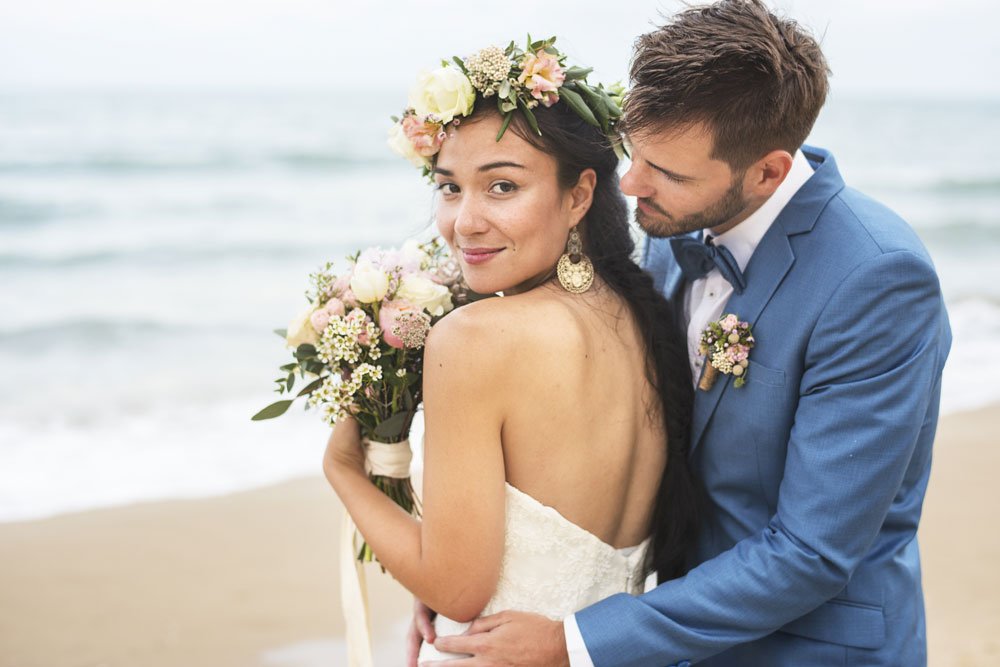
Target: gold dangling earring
{"type": "Point", "coordinates": [576, 273]}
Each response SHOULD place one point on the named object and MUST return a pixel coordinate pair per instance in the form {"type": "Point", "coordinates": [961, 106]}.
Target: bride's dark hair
{"type": "Point", "coordinates": [608, 241]}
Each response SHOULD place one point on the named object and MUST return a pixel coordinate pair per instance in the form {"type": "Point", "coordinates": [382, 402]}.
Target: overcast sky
{"type": "Point", "coordinates": [887, 46]}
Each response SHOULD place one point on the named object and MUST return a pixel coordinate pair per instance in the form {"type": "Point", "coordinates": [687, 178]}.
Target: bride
{"type": "Point", "coordinates": [555, 468]}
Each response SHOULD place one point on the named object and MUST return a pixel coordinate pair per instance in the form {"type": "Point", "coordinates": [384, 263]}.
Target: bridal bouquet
{"type": "Point", "coordinates": [360, 339]}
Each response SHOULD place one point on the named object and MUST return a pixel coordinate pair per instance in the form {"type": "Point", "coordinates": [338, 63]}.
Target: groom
{"type": "Point", "coordinates": [815, 469]}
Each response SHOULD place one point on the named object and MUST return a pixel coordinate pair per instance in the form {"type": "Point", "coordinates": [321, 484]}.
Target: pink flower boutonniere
{"type": "Point", "coordinates": [726, 345]}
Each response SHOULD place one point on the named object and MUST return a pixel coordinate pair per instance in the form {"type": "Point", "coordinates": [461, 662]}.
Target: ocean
{"type": "Point", "coordinates": [151, 241]}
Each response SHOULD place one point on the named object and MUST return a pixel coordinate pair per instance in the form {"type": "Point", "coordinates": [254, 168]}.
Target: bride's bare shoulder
{"type": "Point", "coordinates": [498, 332]}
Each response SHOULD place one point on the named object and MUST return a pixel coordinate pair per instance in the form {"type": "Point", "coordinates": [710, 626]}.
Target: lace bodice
{"type": "Point", "coordinates": [552, 567]}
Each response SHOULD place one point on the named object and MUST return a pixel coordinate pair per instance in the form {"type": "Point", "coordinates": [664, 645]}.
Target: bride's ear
{"type": "Point", "coordinates": [581, 196]}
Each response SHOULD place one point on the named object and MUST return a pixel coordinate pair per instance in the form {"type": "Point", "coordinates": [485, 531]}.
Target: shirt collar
{"type": "Point", "coordinates": [743, 239]}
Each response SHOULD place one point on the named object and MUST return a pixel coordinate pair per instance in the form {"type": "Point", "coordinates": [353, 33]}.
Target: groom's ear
{"type": "Point", "coordinates": [582, 196]}
{"type": "Point", "coordinates": [766, 174]}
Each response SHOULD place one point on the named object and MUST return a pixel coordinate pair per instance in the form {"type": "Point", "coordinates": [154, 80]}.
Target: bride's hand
{"type": "Point", "coordinates": [344, 450]}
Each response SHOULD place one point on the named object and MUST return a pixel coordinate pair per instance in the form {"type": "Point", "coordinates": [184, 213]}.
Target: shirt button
{"type": "Point", "coordinates": [711, 295]}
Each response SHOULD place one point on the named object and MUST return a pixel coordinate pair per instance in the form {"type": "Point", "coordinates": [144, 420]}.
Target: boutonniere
{"type": "Point", "coordinates": [726, 345]}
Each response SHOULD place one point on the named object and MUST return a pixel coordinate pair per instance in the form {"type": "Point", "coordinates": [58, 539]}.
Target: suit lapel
{"type": "Point", "coordinates": [767, 268]}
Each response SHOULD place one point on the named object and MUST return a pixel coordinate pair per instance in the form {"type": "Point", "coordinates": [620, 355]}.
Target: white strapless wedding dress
{"type": "Point", "coordinates": [552, 567]}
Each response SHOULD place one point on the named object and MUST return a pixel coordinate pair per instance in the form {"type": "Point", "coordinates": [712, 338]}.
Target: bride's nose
{"type": "Point", "coordinates": [470, 218]}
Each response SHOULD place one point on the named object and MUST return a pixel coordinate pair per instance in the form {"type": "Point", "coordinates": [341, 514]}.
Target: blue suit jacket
{"type": "Point", "coordinates": [816, 468]}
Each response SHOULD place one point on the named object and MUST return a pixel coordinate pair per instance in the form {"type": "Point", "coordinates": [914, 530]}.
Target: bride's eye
{"type": "Point", "coordinates": [502, 188]}
{"type": "Point", "coordinates": [447, 188]}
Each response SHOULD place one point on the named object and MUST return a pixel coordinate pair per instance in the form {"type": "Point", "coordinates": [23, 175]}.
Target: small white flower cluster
{"type": "Point", "coordinates": [333, 399]}
{"type": "Point", "coordinates": [722, 362]}
{"type": "Point", "coordinates": [488, 70]}
{"type": "Point", "coordinates": [336, 395]}
{"type": "Point", "coordinates": [344, 337]}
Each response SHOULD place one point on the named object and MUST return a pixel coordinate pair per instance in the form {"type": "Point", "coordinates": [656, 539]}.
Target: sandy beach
{"type": "Point", "coordinates": [249, 579]}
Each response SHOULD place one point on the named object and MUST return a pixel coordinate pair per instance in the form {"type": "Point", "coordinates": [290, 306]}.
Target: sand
{"type": "Point", "coordinates": [250, 578]}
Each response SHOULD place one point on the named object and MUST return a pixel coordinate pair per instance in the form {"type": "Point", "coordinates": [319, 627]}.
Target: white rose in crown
{"type": "Point", "coordinates": [301, 330]}
{"type": "Point", "coordinates": [425, 293]}
{"type": "Point", "coordinates": [369, 283]}
{"type": "Point", "coordinates": [445, 93]}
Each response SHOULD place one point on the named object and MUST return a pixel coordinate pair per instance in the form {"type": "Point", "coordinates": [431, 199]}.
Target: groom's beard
{"type": "Point", "coordinates": [727, 207]}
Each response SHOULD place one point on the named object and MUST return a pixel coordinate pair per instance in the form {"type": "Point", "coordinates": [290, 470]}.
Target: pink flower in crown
{"type": "Point", "coordinates": [543, 76]}
{"type": "Point", "coordinates": [388, 320]}
{"type": "Point", "coordinates": [424, 133]}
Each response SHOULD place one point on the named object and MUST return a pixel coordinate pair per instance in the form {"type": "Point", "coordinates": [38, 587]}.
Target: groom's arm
{"type": "Point", "coordinates": [872, 366]}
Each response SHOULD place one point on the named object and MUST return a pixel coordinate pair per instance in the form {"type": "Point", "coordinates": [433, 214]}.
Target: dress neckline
{"type": "Point", "coordinates": [628, 553]}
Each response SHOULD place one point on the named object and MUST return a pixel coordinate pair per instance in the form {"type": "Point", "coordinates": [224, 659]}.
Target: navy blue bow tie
{"type": "Point", "coordinates": [696, 259]}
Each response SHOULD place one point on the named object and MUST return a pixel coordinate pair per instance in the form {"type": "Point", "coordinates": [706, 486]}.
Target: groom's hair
{"type": "Point", "coordinates": [756, 80]}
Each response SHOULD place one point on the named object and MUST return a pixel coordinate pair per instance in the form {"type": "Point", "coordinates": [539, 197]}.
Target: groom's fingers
{"type": "Point", "coordinates": [461, 662]}
{"type": "Point", "coordinates": [487, 623]}
{"type": "Point", "coordinates": [475, 645]}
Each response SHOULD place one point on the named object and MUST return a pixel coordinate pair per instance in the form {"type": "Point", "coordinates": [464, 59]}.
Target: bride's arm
{"type": "Point", "coordinates": [450, 559]}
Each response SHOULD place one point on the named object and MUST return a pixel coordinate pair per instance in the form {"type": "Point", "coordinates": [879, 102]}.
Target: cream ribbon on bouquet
{"type": "Point", "coordinates": [385, 460]}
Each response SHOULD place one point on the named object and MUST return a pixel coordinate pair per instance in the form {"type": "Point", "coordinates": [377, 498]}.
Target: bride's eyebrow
{"type": "Point", "coordinates": [499, 165]}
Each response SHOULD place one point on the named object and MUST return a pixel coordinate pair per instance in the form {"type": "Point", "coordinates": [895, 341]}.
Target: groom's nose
{"type": "Point", "coordinates": [635, 184]}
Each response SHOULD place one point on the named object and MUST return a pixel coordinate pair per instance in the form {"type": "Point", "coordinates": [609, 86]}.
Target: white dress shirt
{"type": "Point", "coordinates": [704, 301]}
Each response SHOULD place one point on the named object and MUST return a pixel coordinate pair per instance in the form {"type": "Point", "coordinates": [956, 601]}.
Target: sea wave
{"type": "Point", "coordinates": [179, 256]}
{"type": "Point", "coordinates": [86, 332]}
{"type": "Point", "coordinates": [122, 165]}
{"type": "Point", "coordinates": [30, 213]}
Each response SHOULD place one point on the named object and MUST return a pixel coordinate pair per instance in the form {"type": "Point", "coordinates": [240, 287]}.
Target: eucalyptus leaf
{"type": "Point", "coordinates": [613, 109]}
{"type": "Point", "coordinates": [282, 332]}
{"type": "Point", "coordinates": [460, 63]}
{"type": "Point", "coordinates": [311, 387]}
{"type": "Point", "coordinates": [507, 107]}
{"type": "Point", "coordinates": [305, 351]}
{"type": "Point", "coordinates": [574, 73]}
{"type": "Point", "coordinates": [314, 367]}
{"type": "Point", "coordinates": [393, 426]}
{"type": "Point", "coordinates": [504, 90]}
{"type": "Point", "coordinates": [290, 382]}
{"type": "Point", "coordinates": [576, 102]}
{"type": "Point", "coordinates": [595, 102]}
{"type": "Point", "coordinates": [530, 116]}
{"type": "Point", "coordinates": [506, 123]}
{"type": "Point", "coordinates": [272, 411]}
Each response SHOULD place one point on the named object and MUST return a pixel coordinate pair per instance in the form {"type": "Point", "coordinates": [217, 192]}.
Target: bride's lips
{"type": "Point", "coordinates": [479, 255]}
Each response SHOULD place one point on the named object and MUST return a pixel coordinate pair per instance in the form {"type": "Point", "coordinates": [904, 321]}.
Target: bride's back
{"type": "Point", "coordinates": [584, 434]}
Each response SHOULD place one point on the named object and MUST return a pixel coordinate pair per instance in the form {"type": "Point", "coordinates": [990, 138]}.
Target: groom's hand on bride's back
{"type": "Point", "coordinates": [421, 630]}
{"type": "Point", "coordinates": [507, 639]}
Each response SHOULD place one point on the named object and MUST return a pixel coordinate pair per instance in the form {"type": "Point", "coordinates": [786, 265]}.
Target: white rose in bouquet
{"type": "Point", "coordinates": [301, 330]}
{"type": "Point", "coordinates": [425, 293]}
{"type": "Point", "coordinates": [369, 283]}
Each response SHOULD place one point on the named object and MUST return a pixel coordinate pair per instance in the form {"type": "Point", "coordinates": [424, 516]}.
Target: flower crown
{"type": "Point", "coordinates": [519, 79]}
